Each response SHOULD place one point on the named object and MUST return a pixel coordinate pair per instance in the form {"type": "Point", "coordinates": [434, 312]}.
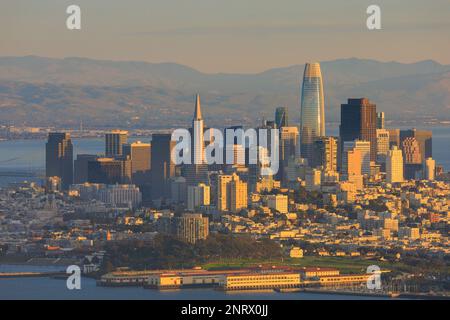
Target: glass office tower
{"type": "Point", "coordinates": [312, 121]}
{"type": "Point", "coordinates": [59, 157]}
{"type": "Point", "coordinates": [281, 117]}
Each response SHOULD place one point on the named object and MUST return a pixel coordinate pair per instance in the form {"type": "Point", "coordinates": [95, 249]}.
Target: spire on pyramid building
{"type": "Point", "coordinates": [198, 110]}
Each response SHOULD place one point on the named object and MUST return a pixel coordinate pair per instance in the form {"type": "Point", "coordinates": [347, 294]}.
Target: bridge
{"type": "Point", "coordinates": [24, 174]}
{"type": "Point", "coordinates": [30, 274]}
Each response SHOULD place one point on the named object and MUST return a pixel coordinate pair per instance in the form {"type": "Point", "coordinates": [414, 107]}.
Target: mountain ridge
{"type": "Point", "coordinates": [139, 90]}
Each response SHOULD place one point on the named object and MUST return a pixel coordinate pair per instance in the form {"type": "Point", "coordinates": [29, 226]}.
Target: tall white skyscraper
{"type": "Point", "coordinates": [312, 118]}
{"type": "Point", "coordinates": [394, 165]}
{"type": "Point", "coordinates": [197, 171]}
{"type": "Point", "coordinates": [429, 169]}
{"type": "Point", "coordinates": [364, 149]}
{"type": "Point", "coordinates": [197, 125]}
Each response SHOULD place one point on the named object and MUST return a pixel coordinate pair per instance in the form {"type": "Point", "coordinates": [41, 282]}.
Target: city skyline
{"type": "Point", "coordinates": [197, 211]}
{"type": "Point", "coordinates": [396, 199]}
{"type": "Point", "coordinates": [238, 148]}
{"type": "Point", "coordinates": [360, 122]}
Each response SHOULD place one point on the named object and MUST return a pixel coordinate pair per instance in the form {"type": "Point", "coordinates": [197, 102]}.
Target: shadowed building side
{"type": "Point", "coordinates": [359, 122]}
{"type": "Point", "coordinates": [163, 168]}
{"type": "Point", "coordinates": [114, 142]}
{"type": "Point", "coordinates": [59, 158]}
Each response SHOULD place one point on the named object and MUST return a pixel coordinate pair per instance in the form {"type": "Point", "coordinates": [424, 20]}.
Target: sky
{"type": "Point", "coordinates": [230, 36]}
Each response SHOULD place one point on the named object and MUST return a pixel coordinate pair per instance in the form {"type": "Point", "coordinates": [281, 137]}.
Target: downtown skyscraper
{"type": "Point", "coordinates": [423, 137]}
{"type": "Point", "coordinates": [325, 153]}
{"type": "Point", "coordinates": [162, 164]}
{"type": "Point", "coordinates": [312, 121]}
{"type": "Point", "coordinates": [114, 142]}
{"type": "Point", "coordinates": [281, 117]}
{"type": "Point", "coordinates": [394, 165]}
{"type": "Point", "coordinates": [59, 157]}
{"type": "Point", "coordinates": [140, 155]}
{"type": "Point", "coordinates": [359, 122]}
{"type": "Point", "coordinates": [197, 171]}
{"type": "Point", "coordinates": [198, 127]}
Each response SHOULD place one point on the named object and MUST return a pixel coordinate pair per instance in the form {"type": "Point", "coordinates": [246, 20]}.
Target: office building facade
{"type": "Point", "coordinates": [163, 167]}
{"type": "Point", "coordinates": [312, 119]}
{"type": "Point", "coordinates": [358, 122]}
{"type": "Point", "coordinates": [394, 165]}
{"type": "Point", "coordinates": [59, 158]}
{"type": "Point", "coordinates": [114, 142]}
{"type": "Point", "coordinates": [140, 155]}
{"type": "Point", "coordinates": [325, 153]}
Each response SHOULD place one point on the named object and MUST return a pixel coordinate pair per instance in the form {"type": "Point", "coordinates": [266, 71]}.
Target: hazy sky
{"type": "Point", "coordinates": [228, 35]}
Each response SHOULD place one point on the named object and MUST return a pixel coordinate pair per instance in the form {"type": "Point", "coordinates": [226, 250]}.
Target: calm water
{"type": "Point", "coordinates": [53, 289]}
{"type": "Point", "coordinates": [29, 156]}
{"type": "Point", "coordinates": [23, 155]}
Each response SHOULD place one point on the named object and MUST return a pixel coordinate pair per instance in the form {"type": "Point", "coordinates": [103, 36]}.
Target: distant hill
{"type": "Point", "coordinates": [46, 91]}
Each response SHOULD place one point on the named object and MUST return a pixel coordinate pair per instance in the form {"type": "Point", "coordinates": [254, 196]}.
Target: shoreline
{"type": "Point", "coordinates": [312, 291]}
{"type": "Point", "coordinates": [37, 263]}
{"type": "Point", "coordinates": [417, 296]}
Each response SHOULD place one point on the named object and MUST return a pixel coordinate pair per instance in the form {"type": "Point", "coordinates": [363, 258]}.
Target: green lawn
{"type": "Point", "coordinates": [344, 264]}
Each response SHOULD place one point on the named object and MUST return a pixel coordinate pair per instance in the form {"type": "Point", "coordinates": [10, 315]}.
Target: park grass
{"type": "Point", "coordinates": [346, 265]}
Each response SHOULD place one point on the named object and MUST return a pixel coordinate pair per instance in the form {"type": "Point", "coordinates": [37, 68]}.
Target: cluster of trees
{"type": "Point", "coordinates": [304, 196]}
{"type": "Point", "coordinates": [377, 205]}
{"type": "Point", "coordinates": [165, 251]}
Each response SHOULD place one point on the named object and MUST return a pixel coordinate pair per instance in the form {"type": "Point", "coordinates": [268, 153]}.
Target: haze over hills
{"type": "Point", "coordinates": [47, 91]}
